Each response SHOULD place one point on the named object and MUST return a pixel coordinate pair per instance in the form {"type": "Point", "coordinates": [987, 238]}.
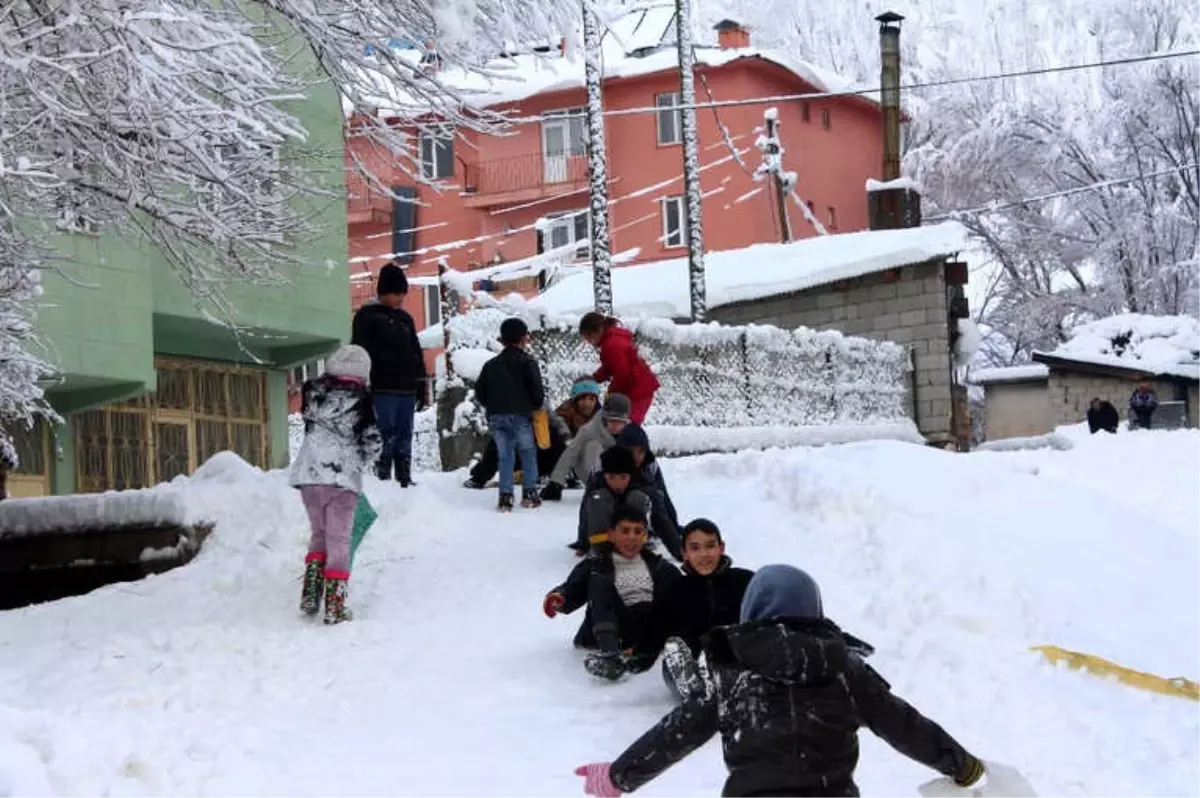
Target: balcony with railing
{"type": "Point", "coordinates": [523, 177]}
{"type": "Point", "coordinates": [366, 203]}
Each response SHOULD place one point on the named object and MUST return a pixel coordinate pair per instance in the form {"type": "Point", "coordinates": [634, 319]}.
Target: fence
{"type": "Point", "coordinates": [720, 376]}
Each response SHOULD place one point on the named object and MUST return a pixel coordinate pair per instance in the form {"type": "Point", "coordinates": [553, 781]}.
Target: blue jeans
{"type": "Point", "coordinates": [509, 433]}
{"type": "Point", "coordinates": [394, 415]}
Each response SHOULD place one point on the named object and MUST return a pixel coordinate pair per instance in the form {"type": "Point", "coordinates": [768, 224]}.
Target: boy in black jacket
{"type": "Point", "coordinates": [709, 595]}
{"type": "Point", "coordinates": [619, 589]}
{"type": "Point", "coordinates": [617, 482]}
{"type": "Point", "coordinates": [788, 695]}
{"type": "Point", "coordinates": [649, 473]}
{"type": "Point", "coordinates": [510, 389]}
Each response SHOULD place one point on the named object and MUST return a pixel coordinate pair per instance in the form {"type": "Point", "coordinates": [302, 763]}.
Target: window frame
{"type": "Point", "coordinates": [826, 119]}
{"type": "Point", "coordinates": [570, 221]}
{"type": "Point", "coordinates": [433, 302]}
{"type": "Point", "coordinates": [668, 112]}
{"type": "Point", "coordinates": [440, 140]}
{"type": "Point", "coordinates": [681, 212]}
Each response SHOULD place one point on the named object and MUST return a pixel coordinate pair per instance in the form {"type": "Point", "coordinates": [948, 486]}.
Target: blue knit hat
{"type": "Point", "coordinates": [781, 591]}
{"type": "Point", "coordinates": [585, 387]}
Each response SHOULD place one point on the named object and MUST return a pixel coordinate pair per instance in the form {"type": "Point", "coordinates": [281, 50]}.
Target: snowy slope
{"type": "Point", "coordinates": [203, 681]}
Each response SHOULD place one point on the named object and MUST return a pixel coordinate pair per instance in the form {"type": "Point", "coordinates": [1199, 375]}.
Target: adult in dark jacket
{"type": "Point", "coordinates": [621, 366]}
{"type": "Point", "coordinates": [399, 383]}
{"type": "Point", "coordinates": [1142, 404]}
{"type": "Point", "coordinates": [649, 474]}
{"type": "Point", "coordinates": [1101, 415]}
{"type": "Point", "coordinates": [788, 697]}
{"type": "Point", "coordinates": [510, 389]}
{"type": "Point", "coordinates": [619, 587]}
{"type": "Point", "coordinates": [617, 483]}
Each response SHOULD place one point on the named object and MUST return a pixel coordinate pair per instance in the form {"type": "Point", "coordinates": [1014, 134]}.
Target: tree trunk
{"type": "Point", "coordinates": [691, 161]}
{"type": "Point", "coordinates": [597, 165]}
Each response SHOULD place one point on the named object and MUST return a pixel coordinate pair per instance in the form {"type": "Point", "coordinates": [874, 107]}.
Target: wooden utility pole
{"type": "Point", "coordinates": [691, 160]}
{"type": "Point", "coordinates": [597, 165]}
{"type": "Point", "coordinates": [774, 154]}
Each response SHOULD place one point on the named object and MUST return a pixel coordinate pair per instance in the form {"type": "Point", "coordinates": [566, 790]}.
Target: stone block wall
{"type": "Point", "coordinates": [907, 306]}
{"type": "Point", "coordinates": [1072, 392]}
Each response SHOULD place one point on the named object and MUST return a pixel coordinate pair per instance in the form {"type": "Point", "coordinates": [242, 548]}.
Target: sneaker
{"type": "Point", "coordinates": [505, 504]}
{"type": "Point", "coordinates": [474, 484]}
{"type": "Point", "coordinates": [681, 667]}
{"type": "Point", "coordinates": [552, 492]}
{"type": "Point", "coordinates": [605, 665]}
{"type": "Point", "coordinates": [530, 501]}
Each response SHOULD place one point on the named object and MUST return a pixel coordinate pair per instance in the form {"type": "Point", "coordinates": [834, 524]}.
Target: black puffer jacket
{"type": "Point", "coordinates": [695, 605]}
{"type": "Point", "coordinates": [598, 504]}
{"type": "Point", "coordinates": [788, 697]}
{"type": "Point", "coordinates": [510, 384]}
{"type": "Point", "coordinates": [390, 337]}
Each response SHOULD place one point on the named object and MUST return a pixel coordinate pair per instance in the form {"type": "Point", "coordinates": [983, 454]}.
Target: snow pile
{"type": "Point", "coordinates": [89, 511]}
{"type": "Point", "coordinates": [1157, 344]}
{"type": "Point", "coordinates": [1051, 440]}
{"type": "Point", "coordinates": [968, 342]}
{"type": "Point", "coordinates": [763, 270]}
{"type": "Point", "coordinates": [1023, 373]}
{"type": "Point", "coordinates": [203, 680]}
{"type": "Point", "coordinates": [906, 183]}
{"type": "Point", "coordinates": [714, 376]}
{"type": "Point", "coordinates": [704, 440]}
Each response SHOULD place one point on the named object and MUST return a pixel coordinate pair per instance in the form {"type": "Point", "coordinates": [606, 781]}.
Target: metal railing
{"type": "Point", "coordinates": [518, 172]}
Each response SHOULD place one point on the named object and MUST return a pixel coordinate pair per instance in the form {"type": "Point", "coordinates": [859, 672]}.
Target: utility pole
{"type": "Point", "coordinates": [773, 163]}
{"type": "Point", "coordinates": [691, 159]}
{"type": "Point", "coordinates": [597, 164]}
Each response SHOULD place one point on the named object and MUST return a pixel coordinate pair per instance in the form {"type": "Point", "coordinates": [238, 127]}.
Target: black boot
{"type": "Point", "coordinates": [404, 471]}
{"type": "Point", "coordinates": [605, 665]}
{"type": "Point", "coordinates": [383, 467]}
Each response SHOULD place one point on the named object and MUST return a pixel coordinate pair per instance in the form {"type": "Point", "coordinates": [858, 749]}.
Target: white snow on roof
{"type": "Point", "coordinates": [661, 288]}
{"type": "Point", "coordinates": [1168, 345]}
{"type": "Point", "coordinates": [1022, 373]}
{"type": "Point", "coordinates": [518, 77]}
{"type": "Point", "coordinates": [885, 185]}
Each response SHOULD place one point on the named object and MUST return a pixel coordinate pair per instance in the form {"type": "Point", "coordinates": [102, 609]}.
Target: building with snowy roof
{"type": "Point", "coordinates": [503, 199]}
{"type": "Point", "coordinates": [1105, 359]}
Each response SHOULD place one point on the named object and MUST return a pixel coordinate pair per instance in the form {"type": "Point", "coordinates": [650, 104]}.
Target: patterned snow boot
{"type": "Point", "coordinates": [680, 670]}
{"type": "Point", "coordinates": [530, 500]}
{"type": "Point", "coordinates": [505, 504]}
{"type": "Point", "coordinates": [336, 610]}
{"type": "Point", "coordinates": [313, 587]}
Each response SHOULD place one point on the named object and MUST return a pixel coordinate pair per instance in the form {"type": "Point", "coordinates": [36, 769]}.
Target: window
{"type": "Point", "coordinates": [825, 118]}
{"type": "Point", "coordinates": [831, 217]}
{"type": "Point", "coordinates": [565, 132]}
{"type": "Point", "coordinates": [433, 305]}
{"type": "Point", "coordinates": [805, 112]}
{"type": "Point", "coordinates": [307, 371]}
{"type": "Point", "coordinates": [670, 120]}
{"type": "Point", "coordinates": [437, 154]}
{"type": "Point", "coordinates": [673, 215]}
{"type": "Point", "coordinates": [568, 228]}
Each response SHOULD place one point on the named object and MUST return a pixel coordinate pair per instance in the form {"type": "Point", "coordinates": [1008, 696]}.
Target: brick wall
{"type": "Point", "coordinates": [1072, 392]}
{"type": "Point", "coordinates": [907, 306]}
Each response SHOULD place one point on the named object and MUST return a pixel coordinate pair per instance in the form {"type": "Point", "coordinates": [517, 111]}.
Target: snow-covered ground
{"type": "Point", "coordinates": [203, 680]}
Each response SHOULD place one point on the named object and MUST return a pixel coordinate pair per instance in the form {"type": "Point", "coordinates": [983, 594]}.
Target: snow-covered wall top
{"type": "Point", "coordinates": [1167, 345]}
{"type": "Point", "coordinates": [660, 289]}
{"type": "Point", "coordinates": [1023, 373]}
{"type": "Point", "coordinates": [518, 77]}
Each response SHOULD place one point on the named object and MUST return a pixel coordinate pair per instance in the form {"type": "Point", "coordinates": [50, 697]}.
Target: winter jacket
{"type": "Point", "coordinates": [340, 436]}
{"type": "Point", "coordinates": [568, 420]}
{"type": "Point", "coordinates": [583, 452]}
{"type": "Point", "coordinates": [1143, 405]}
{"type": "Point", "coordinates": [510, 384]}
{"type": "Point", "coordinates": [1104, 417]}
{"type": "Point", "coordinates": [788, 697]}
{"type": "Point", "coordinates": [575, 589]}
{"type": "Point", "coordinates": [695, 605]}
{"type": "Point", "coordinates": [599, 502]}
{"type": "Point", "coordinates": [622, 366]}
{"type": "Point", "coordinates": [650, 479]}
{"type": "Point", "coordinates": [390, 337]}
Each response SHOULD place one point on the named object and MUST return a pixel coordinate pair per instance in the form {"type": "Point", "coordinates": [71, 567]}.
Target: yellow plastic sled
{"type": "Point", "coordinates": [541, 428]}
{"type": "Point", "coordinates": [1178, 687]}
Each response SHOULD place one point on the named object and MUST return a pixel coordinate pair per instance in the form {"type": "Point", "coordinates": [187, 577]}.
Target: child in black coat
{"type": "Point", "coordinates": [619, 588]}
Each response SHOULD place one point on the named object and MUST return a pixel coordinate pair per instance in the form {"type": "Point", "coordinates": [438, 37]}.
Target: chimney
{"type": "Point", "coordinates": [732, 35]}
{"type": "Point", "coordinates": [892, 203]}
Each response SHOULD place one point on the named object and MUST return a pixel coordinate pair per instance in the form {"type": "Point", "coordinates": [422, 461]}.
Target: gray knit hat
{"type": "Point", "coordinates": [616, 407]}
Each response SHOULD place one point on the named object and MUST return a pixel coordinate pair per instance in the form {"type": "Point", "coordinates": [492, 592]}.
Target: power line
{"type": "Point", "coordinates": [825, 95]}
{"type": "Point", "coordinates": [987, 209]}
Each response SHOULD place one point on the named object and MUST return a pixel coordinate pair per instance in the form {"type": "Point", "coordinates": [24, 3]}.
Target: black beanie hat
{"type": "Point", "coordinates": [617, 460]}
{"type": "Point", "coordinates": [702, 525]}
{"type": "Point", "coordinates": [391, 281]}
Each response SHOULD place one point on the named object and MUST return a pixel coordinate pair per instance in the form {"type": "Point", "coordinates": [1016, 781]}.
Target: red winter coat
{"type": "Point", "coordinates": [621, 363]}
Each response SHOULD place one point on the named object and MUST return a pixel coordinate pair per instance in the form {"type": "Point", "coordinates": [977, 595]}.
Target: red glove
{"type": "Point", "coordinates": [552, 604]}
{"type": "Point", "coordinates": [597, 780]}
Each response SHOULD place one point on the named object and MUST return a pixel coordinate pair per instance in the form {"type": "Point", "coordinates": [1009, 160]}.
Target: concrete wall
{"type": "Point", "coordinates": [1017, 410]}
{"type": "Point", "coordinates": [1070, 393]}
{"type": "Point", "coordinates": [910, 310]}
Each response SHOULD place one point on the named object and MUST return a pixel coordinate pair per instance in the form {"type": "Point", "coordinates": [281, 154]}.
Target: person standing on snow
{"type": "Point", "coordinates": [398, 379]}
{"type": "Point", "coordinates": [621, 366]}
{"type": "Point", "coordinates": [788, 696]}
{"type": "Point", "coordinates": [510, 389]}
{"type": "Point", "coordinates": [1142, 404]}
{"type": "Point", "coordinates": [340, 442]}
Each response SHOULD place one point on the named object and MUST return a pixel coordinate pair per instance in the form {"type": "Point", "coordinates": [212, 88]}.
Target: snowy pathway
{"type": "Point", "coordinates": [204, 681]}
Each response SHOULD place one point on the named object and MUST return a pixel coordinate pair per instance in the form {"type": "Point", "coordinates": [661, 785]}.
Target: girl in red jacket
{"type": "Point", "coordinates": [620, 364]}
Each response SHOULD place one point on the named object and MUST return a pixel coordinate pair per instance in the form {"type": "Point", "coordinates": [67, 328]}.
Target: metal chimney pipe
{"type": "Point", "coordinates": [889, 81]}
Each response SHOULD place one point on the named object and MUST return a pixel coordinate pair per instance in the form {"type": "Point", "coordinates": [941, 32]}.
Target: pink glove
{"type": "Point", "coordinates": [597, 781]}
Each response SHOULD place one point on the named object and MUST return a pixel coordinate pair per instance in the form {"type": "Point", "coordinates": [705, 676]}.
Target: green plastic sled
{"type": "Point", "coordinates": [364, 516]}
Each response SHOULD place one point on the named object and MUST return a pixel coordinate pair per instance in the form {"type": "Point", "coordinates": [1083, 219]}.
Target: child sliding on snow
{"type": "Point", "coordinates": [510, 389]}
{"type": "Point", "coordinates": [340, 442]}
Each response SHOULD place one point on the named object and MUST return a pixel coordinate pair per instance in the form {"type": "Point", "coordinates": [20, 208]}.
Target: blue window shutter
{"type": "Point", "coordinates": [404, 219]}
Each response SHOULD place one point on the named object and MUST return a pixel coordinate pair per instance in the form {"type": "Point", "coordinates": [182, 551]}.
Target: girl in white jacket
{"type": "Point", "coordinates": [340, 442]}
